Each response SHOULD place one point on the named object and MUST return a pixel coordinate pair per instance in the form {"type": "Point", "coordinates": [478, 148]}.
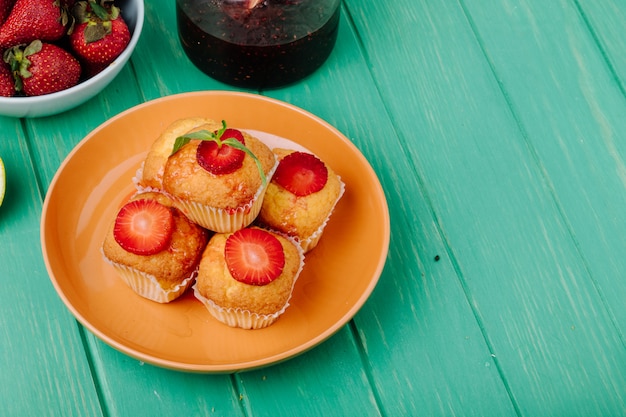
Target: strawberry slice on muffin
{"type": "Point", "coordinates": [246, 278]}
{"type": "Point", "coordinates": [301, 197]}
{"type": "Point", "coordinates": [154, 247]}
{"type": "Point", "coordinates": [254, 256]}
{"type": "Point", "coordinates": [301, 173]}
{"type": "Point", "coordinates": [144, 227]}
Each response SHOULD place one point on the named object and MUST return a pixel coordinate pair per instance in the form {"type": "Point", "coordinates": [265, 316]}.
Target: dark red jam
{"type": "Point", "coordinates": [273, 44]}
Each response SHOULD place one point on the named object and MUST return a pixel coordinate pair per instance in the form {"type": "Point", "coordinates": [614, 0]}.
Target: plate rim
{"type": "Point", "coordinates": [248, 364]}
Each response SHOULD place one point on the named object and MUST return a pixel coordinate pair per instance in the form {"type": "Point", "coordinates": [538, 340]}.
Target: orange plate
{"type": "Point", "coordinates": [338, 276]}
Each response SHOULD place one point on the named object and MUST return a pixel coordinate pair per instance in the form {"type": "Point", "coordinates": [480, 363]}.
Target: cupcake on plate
{"type": "Point", "coordinates": [154, 247]}
{"type": "Point", "coordinates": [149, 177]}
{"type": "Point", "coordinates": [218, 178]}
{"type": "Point", "coordinates": [246, 278]}
{"type": "Point", "coordinates": [300, 197]}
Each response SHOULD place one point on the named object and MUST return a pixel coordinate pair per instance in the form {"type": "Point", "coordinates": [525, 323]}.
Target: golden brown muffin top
{"type": "Point", "coordinates": [215, 282]}
{"type": "Point", "coordinates": [185, 179]}
{"type": "Point", "coordinates": [172, 265]}
{"type": "Point", "coordinates": [298, 216]}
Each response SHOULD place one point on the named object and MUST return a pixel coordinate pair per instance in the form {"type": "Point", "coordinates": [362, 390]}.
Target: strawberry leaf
{"type": "Point", "coordinates": [99, 11]}
{"type": "Point", "coordinates": [199, 135]}
{"type": "Point", "coordinates": [96, 31]}
{"type": "Point", "coordinates": [32, 48]}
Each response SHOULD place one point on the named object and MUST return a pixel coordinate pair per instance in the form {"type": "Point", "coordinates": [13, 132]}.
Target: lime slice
{"type": "Point", "coordinates": [3, 181]}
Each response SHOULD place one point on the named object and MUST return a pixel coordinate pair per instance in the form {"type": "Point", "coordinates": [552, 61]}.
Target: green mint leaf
{"type": "Point", "coordinates": [179, 143]}
{"type": "Point", "coordinates": [201, 135]}
{"type": "Point", "coordinates": [238, 145]}
{"type": "Point", "coordinates": [185, 139]}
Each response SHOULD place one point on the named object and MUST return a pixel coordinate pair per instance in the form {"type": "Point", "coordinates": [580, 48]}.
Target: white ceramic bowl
{"type": "Point", "coordinates": [46, 105]}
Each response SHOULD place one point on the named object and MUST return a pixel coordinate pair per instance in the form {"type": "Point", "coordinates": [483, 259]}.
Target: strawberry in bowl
{"type": "Point", "coordinates": [95, 74]}
{"type": "Point", "coordinates": [42, 68]}
{"type": "Point", "coordinates": [7, 83]}
{"type": "Point", "coordinates": [28, 20]}
{"type": "Point", "coordinates": [101, 34]}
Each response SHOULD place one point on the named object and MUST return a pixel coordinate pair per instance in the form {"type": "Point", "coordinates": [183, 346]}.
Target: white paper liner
{"type": "Point", "coordinates": [308, 243]}
{"type": "Point", "coordinates": [147, 286]}
{"type": "Point", "coordinates": [236, 317]}
{"type": "Point", "coordinates": [225, 221]}
{"type": "Point", "coordinates": [137, 182]}
{"type": "Point", "coordinates": [138, 176]}
{"type": "Point", "coordinates": [312, 241]}
{"type": "Point", "coordinates": [245, 319]}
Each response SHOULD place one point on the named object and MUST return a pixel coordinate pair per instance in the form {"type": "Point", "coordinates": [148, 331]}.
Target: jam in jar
{"type": "Point", "coordinates": [258, 43]}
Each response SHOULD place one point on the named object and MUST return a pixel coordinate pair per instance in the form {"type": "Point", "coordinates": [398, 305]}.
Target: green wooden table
{"type": "Point", "coordinates": [498, 131]}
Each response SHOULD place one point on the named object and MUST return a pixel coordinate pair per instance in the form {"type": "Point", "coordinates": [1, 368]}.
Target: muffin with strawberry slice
{"type": "Point", "coordinates": [149, 177]}
{"type": "Point", "coordinates": [218, 178]}
{"type": "Point", "coordinates": [301, 197]}
{"type": "Point", "coordinates": [246, 278]}
{"type": "Point", "coordinates": [154, 247]}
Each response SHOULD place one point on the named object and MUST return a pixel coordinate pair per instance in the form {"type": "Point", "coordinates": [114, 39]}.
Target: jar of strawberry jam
{"type": "Point", "coordinates": [258, 43]}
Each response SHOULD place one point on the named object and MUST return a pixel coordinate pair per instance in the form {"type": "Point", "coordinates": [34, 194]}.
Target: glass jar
{"type": "Point", "coordinates": [258, 43]}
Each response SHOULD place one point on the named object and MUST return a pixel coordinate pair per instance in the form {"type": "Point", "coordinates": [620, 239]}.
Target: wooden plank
{"type": "Point", "coordinates": [585, 162]}
{"type": "Point", "coordinates": [150, 391]}
{"type": "Point", "coordinates": [44, 368]}
{"type": "Point", "coordinates": [527, 283]}
{"type": "Point", "coordinates": [583, 112]}
{"type": "Point", "coordinates": [606, 20]}
{"type": "Point", "coordinates": [601, 144]}
{"type": "Point", "coordinates": [418, 314]}
{"type": "Point", "coordinates": [54, 137]}
{"type": "Point", "coordinates": [329, 379]}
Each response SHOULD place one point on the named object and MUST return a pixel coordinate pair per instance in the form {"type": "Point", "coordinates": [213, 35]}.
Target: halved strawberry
{"type": "Point", "coordinates": [218, 157]}
{"type": "Point", "coordinates": [254, 256]}
{"type": "Point", "coordinates": [301, 173]}
{"type": "Point", "coordinates": [144, 227]}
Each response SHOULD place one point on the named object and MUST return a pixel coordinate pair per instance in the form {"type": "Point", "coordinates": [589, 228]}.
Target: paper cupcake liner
{"type": "Point", "coordinates": [137, 181]}
{"type": "Point", "coordinates": [236, 317]}
{"type": "Point", "coordinates": [221, 220]}
{"type": "Point", "coordinates": [138, 177]}
{"type": "Point", "coordinates": [310, 242]}
{"type": "Point", "coordinates": [147, 286]}
{"type": "Point", "coordinates": [245, 319]}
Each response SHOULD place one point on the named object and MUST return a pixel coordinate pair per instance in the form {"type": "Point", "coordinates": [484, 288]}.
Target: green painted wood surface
{"type": "Point", "coordinates": [497, 131]}
{"type": "Point", "coordinates": [42, 361]}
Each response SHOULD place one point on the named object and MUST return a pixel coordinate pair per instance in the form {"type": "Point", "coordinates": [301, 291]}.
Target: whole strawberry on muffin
{"type": "Point", "coordinates": [218, 178]}
{"type": "Point", "coordinates": [246, 278]}
{"type": "Point", "coordinates": [154, 247]}
{"type": "Point", "coordinates": [301, 197]}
